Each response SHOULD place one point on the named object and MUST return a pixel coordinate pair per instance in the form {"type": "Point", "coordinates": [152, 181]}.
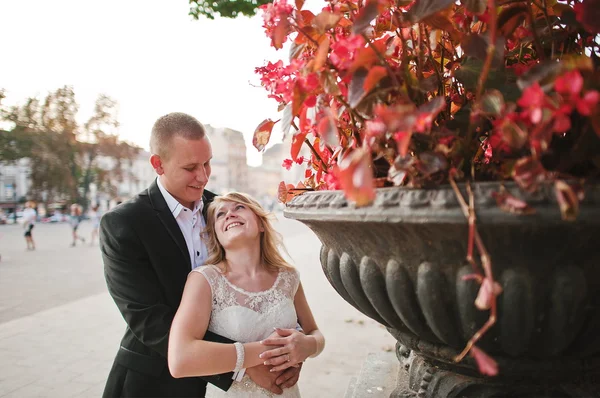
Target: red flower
{"type": "Point", "coordinates": [299, 160]}
{"type": "Point", "coordinates": [332, 182]}
{"type": "Point", "coordinates": [533, 100]}
{"type": "Point", "coordinates": [588, 102]}
{"type": "Point", "coordinates": [569, 84]}
{"type": "Point", "coordinates": [287, 163]}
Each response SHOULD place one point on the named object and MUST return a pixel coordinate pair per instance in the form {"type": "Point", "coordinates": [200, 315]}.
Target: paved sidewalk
{"type": "Point", "coordinates": [58, 335]}
{"type": "Point", "coordinates": [65, 351]}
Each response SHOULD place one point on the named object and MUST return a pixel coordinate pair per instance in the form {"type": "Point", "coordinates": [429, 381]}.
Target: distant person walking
{"type": "Point", "coordinates": [29, 216]}
{"type": "Point", "coordinates": [75, 220]}
{"type": "Point", "coordinates": [95, 217]}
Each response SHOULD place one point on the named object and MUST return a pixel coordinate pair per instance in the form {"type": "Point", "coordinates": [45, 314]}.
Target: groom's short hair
{"type": "Point", "coordinates": [171, 125]}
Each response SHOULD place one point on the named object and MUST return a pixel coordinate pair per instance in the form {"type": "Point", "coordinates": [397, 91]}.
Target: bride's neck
{"type": "Point", "coordinates": [244, 260]}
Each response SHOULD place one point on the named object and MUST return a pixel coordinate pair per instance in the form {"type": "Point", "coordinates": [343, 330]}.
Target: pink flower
{"type": "Point", "coordinates": [569, 84]}
{"type": "Point", "coordinates": [533, 100]}
{"type": "Point", "coordinates": [486, 364]}
{"type": "Point", "coordinates": [287, 163]}
{"type": "Point", "coordinates": [588, 102]}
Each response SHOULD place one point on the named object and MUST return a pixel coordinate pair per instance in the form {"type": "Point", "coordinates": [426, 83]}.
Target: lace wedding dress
{"type": "Point", "coordinates": [250, 316]}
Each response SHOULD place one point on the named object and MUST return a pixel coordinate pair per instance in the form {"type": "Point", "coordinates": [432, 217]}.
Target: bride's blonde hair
{"type": "Point", "coordinates": [270, 240]}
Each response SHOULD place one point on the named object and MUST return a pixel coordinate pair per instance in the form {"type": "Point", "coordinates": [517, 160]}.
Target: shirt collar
{"type": "Point", "coordinates": [173, 204]}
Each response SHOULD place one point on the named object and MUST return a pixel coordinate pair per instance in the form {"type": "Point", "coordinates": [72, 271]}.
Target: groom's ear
{"type": "Point", "coordinates": [156, 163]}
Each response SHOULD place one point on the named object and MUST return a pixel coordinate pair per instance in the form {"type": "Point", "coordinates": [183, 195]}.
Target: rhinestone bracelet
{"type": "Point", "coordinates": [239, 363]}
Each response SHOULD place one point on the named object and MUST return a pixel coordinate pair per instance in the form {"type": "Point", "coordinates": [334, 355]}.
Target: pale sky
{"type": "Point", "coordinates": [148, 55]}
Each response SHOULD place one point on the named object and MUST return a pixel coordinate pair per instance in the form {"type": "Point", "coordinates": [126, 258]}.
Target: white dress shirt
{"type": "Point", "coordinates": [192, 224]}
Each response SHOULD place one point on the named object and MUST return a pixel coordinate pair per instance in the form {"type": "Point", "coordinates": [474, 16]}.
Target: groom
{"type": "Point", "coordinates": [149, 245]}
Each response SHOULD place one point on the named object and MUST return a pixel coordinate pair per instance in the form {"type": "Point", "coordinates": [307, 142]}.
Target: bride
{"type": "Point", "coordinates": [248, 293]}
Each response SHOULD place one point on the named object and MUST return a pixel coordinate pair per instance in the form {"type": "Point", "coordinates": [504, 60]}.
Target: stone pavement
{"type": "Point", "coordinates": [59, 329]}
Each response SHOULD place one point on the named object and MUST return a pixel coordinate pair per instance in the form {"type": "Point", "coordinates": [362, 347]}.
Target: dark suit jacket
{"type": "Point", "coordinates": [146, 264]}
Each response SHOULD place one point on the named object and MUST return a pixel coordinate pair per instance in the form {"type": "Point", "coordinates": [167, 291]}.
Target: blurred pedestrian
{"type": "Point", "coordinates": [75, 220]}
{"type": "Point", "coordinates": [95, 217]}
{"type": "Point", "coordinates": [29, 216]}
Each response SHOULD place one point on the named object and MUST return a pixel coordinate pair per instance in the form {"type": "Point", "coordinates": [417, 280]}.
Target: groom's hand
{"type": "Point", "coordinates": [289, 377]}
{"type": "Point", "coordinates": [263, 376]}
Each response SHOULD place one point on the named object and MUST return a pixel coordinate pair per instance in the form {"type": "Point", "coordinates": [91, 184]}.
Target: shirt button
{"type": "Point", "coordinates": [197, 253]}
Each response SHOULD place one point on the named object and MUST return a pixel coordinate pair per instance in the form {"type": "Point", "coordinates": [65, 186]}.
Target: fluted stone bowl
{"type": "Point", "coordinates": [402, 262]}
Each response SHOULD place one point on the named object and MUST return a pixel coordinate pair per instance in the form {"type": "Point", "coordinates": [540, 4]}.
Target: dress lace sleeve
{"type": "Point", "coordinates": [210, 274]}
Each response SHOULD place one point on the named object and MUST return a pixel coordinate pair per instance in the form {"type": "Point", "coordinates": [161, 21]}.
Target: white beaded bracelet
{"type": "Point", "coordinates": [239, 363]}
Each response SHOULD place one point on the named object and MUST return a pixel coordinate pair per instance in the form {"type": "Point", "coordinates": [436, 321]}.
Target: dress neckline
{"type": "Point", "coordinates": [246, 292]}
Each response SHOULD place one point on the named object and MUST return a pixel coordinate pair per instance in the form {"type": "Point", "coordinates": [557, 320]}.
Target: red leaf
{"type": "Point", "coordinates": [511, 204]}
{"type": "Point", "coordinates": [298, 99]}
{"type": "Point", "coordinates": [587, 13]}
{"type": "Point", "coordinates": [510, 18]}
{"type": "Point", "coordinates": [326, 20]}
{"type": "Point", "coordinates": [422, 9]}
{"type": "Point", "coordinates": [568, 200]}
{"type": "Point", "coordinates": [285, 193]}
{"type": "Point", "coordinates": [327, 128]}
{"type": "Point", "coordinates": [373, 77]}
{"type": "Point", "coordinates": [365, 16]}
{"type": "Point", "coordinates": [366, 57]}
{"type": "Point", "coordinates": [280, 33]}
{"type": "Point", "coordinates": [299, 4]}
{"type": "Point", "coordinates": [262, 134]}
{"type": "Point", "coordinates": [297, 142]}
{"type": "Point", "coordinates": [321, 55]}
{"type": "Point", "coordinates": [486, 364]}
{"type": "Point", "coordinates": [512, 133]}
{"type": "Point", "coordinates": [282, 192]}
{"type": "Point", "coordinates": [356, 91]}
{"type": "Point", "coordinates": [528, 173]}
{"type": "Point", "coordinates": [356, 177]}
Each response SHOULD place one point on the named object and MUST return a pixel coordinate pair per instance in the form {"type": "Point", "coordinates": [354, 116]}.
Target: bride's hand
{"type": "Point", "coordinates": [294, 348]}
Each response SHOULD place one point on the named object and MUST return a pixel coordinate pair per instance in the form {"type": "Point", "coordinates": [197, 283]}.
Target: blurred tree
{"type": "Point", "coordinates": [99, 139]}
{"type": "Point", "coordinates": [224, 8]}
{"type": "Point", "coordinates": [64, 158]}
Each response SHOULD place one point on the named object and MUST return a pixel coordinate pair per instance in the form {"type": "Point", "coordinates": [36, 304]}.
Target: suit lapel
{"type": "Point", "coordinates": [164, 215]}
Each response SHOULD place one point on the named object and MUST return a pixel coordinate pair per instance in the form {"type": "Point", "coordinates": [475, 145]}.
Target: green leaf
{"type": "Point", "coordinates": [475, 6]}
{"type": "Point", "coordinates": [492, 103]}
{"type": "Point", "coordinates": [501, 79]}
{"type": "Point", "coordinates": [422, 9]}
{"type": "Point", "coordinates": [510, 18]}
{"type": "Point", "coordinates": [543, 73]}
{"type": "Point", "coordinates": [476, 46]}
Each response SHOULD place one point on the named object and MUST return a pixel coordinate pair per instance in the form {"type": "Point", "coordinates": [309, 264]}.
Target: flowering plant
{"type": "Point", "coordinates": [419, 93]}
{"type": "Point", "coordinates": [412, 92]}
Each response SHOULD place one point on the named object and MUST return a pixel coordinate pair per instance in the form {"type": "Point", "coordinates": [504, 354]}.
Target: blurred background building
{"type": "Point", "coordinates": [230, 172]}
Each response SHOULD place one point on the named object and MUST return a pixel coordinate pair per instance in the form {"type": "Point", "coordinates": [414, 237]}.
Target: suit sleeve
{"type": "Point", "coordinates": [133, 284]}
{"type": "Point", "coordinates": [135, 288]}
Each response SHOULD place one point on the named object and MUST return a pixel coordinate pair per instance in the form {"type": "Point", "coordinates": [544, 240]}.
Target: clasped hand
{"type": "Point", "coordinates": [294, 348]}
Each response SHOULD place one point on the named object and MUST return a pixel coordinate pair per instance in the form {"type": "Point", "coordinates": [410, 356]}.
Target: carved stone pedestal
{"type": "Point", "coordinates": [402, 262]}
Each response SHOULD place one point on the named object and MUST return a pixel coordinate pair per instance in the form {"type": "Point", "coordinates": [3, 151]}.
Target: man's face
{"type": "Point", "coordinates": [186, 169]}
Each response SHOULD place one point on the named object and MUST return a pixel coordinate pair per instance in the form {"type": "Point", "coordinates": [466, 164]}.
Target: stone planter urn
{"type": "Point", "coordinates": [401, 261]}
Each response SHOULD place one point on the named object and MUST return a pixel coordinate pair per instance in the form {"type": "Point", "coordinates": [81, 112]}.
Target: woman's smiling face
{"type": "Point", "coordinates": [234, 222]}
